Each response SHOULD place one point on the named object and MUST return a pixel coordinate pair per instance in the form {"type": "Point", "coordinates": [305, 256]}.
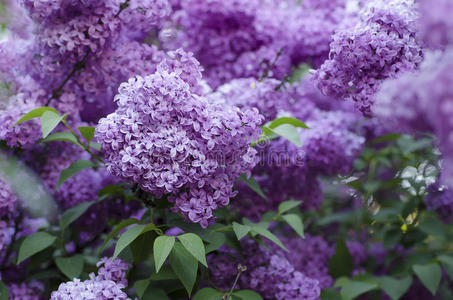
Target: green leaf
{"type": "Point", "coordinates": [96, 146]}
{"type": "Point", "coordinates": [118, 228]}
{"type": "Point", "coordinates": [341, 263]}
{"type": "Point", "coordinates": [247, 295]}
{"type": "Point", "coordinates": [392, 237]}
{"type": "Point", "coordinates": [270, 236]}
{"type": "Point", "coordinates": [395, 288]}
{"type": "Point", "coordinates": [140, 247]}
{"type": "Point", "coordinates": [447, 263]}
{"type": "Point", "coordinates": [128, 237]}
{"type": "Point", "coordinates": [330, 294]}
{"type": "Point", "coordinates": [430, 275]}
{"type": "Point", "coordinates": [208, 294]}
{"type": "Point", "coordinates": [50, 120]}
{"type": "Point", "coordinates": [253, 184]}
{"type": "Point", "coordinates": [296, 223]}
{"type": "Point", "coordinates": [155, 294]}
{"type": "Point", "coordinates": [288, 205]}
{"type": "Point", "coordinates": [4, 291]}
{"type": "Point", "coordinates": [73, 214]}
{"type": "Point", "coordinates": [286, 131]}
{"type": "Point", "coordinates": [73, 169]}
{"type": "Point", "coordinates": [287, 120]}
{"type": "Point", "coordinates": [352, 289]}
{"type": "Point", "coordinates": [164, 274]}
{"type": "Point", "coordinates": [195, 246]}
{"type": "Point", "coordinates": [432, 226]}
{"type": "Point", "coordinates": [140, 287]}
{"type": "Point", "coordinates": [64, 136]}
{"type": "Point", "coordinates": [184, 265]}
{"type": "Point", "coordinates": [33, 244]}
{"type": "Point", "coordinates": [72, 267]}
{"type": "Point", "coordinates": [36, 113]}
{"type": "Point", "coordinates": [241, 230]}
{"type": "Point", "coordinates": [162, 247]}
{"type": "Point", "coordinates": [87, 132]}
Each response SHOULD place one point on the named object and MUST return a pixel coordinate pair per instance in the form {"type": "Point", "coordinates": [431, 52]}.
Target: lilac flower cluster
{"type": "Point", "coordinates": [236, 39]}
{"type": "Point", "coordinates": [26, 291]}
{"type": "Point", "coordinates": [172, 141]}
{"type": "Point", "coordinates": [436, 24]}
{"type": "Point", "coordinates": [268, 272]}
{"type": "Point", "coordinates": [311, 255]}
{"type": "Point", "coordinates": [108, 284]}
{"type": "Point", "coordinates": [382, 44]}
{"type": "Point", "coordinates": [430, 95]}
{"type": "Point", "coordinates": [312, 27]}
{"type": "Point", "coordinates": [251, 93]}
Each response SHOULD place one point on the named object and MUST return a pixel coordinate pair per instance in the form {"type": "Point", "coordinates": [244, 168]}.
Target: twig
{"type": "Point", "coordinates": [271, 66]}
{"type": "Point", "coordinates": [241, 269]}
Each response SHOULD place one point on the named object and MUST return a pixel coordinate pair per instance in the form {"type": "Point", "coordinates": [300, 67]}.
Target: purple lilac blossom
{"type": "Point", "coordinates": [107, 284]}
{"type": "Point", "coordinates": [436, 24]}
{"type": "Point", "coordinates": [233, 39]}
{"type": "Point", "coordinates": [311, 256]}
{"type": "Point", "coordinates": [172, 141]}
{"type": "Point", "coordinates": [382, 44]}
{"type": "Point", "coordinates": [312, 27]}
{"type": "Point", "coordinates": [89, 290]}
{"type": "Point", "coordinates": [249, 93]}
{"type": "Point", "coordinates": [8, 198]}
{"type": "Point", "coordinates": [113, 269]}
{"type": "Point", "coordinates": [440, 199]}
{"type": "Point", "coordinates": [26, 291]}
{"type": "Point", "coordinates": [268, 272]}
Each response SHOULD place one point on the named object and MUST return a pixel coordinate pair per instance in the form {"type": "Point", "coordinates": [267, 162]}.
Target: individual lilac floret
{"type": "Point", "coordinates": [89, 290]}
{"type": "Point", "coordinates": [26, 291]}
{"type": "Point", "coordinates": [268, 272]}
{"type": "Point", "coordinates": [381, 45]}
{"type": "Point", "coordinates": [113, 269]}
{"type": "Point", "coordinates": [436, 23]}
{"type": "Point", "coordinates": [172, 141]}
{"type": "Point", "coordinates": [8, 198]}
